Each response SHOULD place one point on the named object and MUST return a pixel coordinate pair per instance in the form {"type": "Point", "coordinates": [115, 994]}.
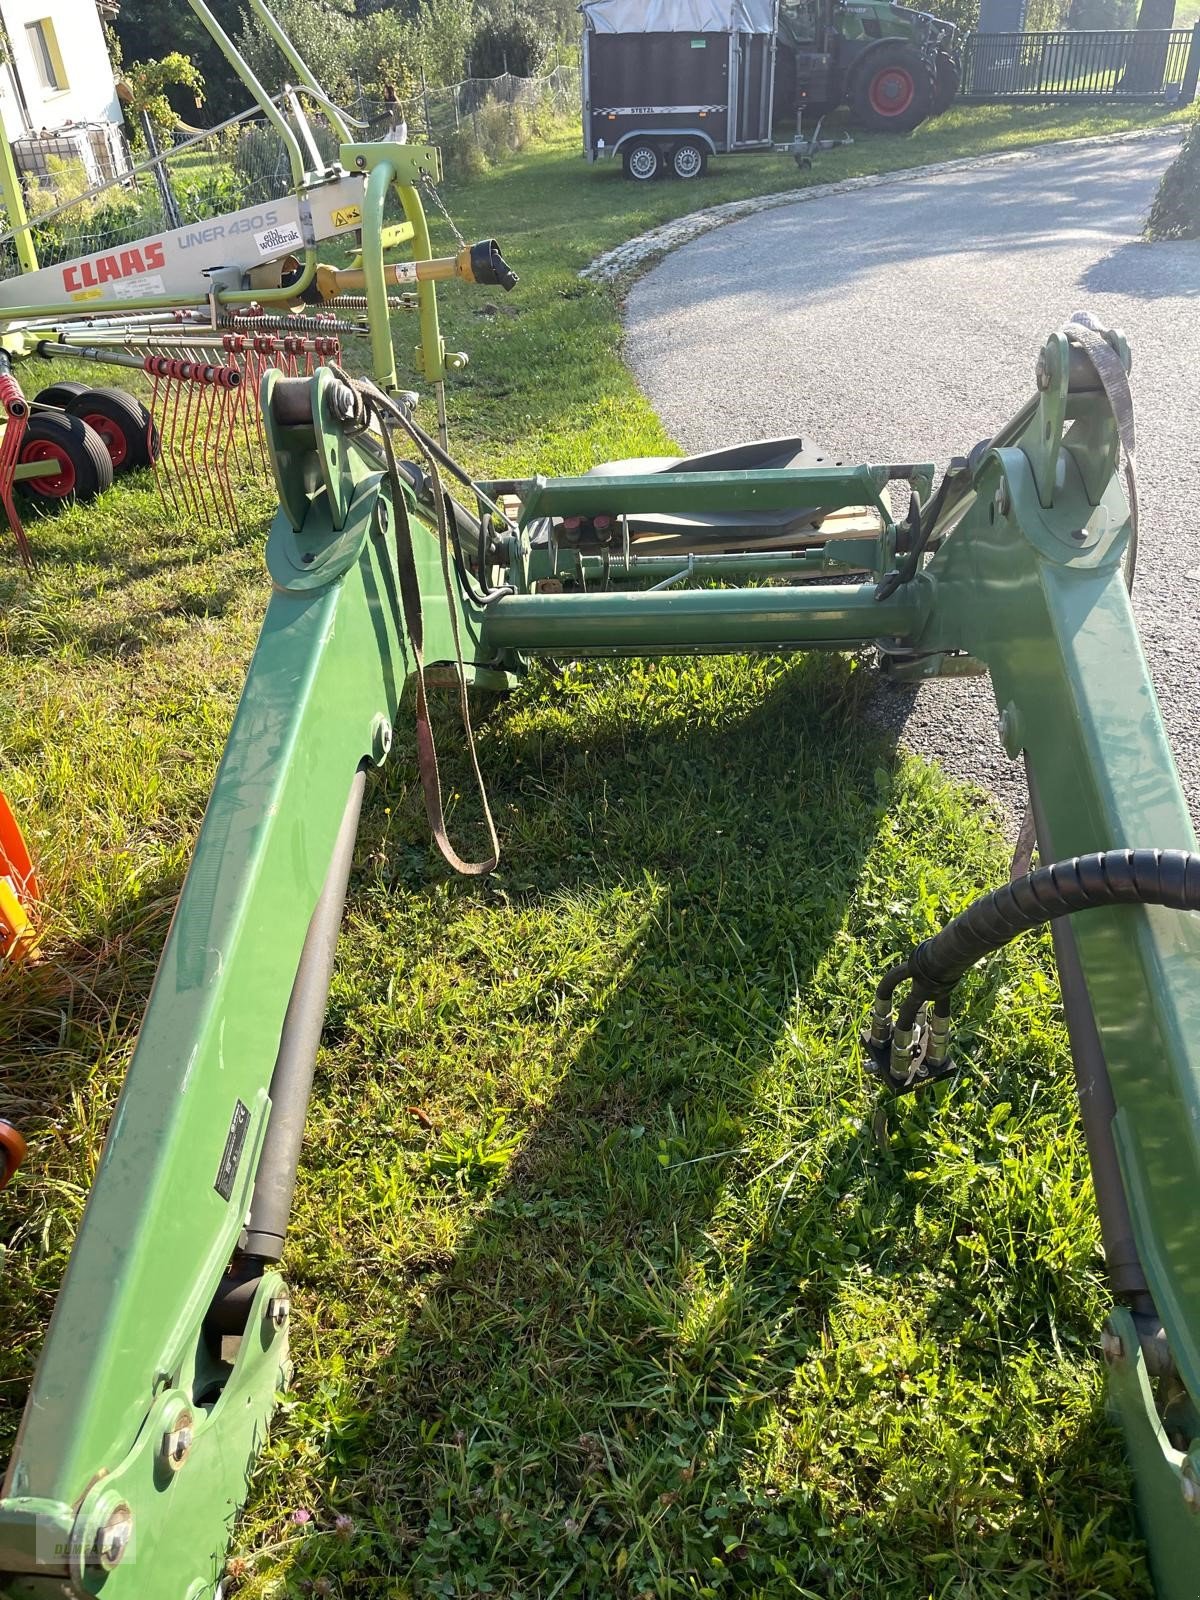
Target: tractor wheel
{"type": "Point", "coordinates": [59, 394]}
{"type": "Point", "coordinates": [641, 161]}
{"type": "Point", "coordinates": [893, 90]}
{"type": "Point", "coordinates": [689, 159]}
{"type": "Point", "coordinates": [948, 79]}
{"type": "Point", "coordinates": [124, 424]}
{"type": "Point", "coordinates": [78, 464]}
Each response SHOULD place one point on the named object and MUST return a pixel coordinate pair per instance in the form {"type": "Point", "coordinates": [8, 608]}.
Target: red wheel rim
{"type": "Point", "coordinates": [60, 486]}
{"type": "Point", "coordinates": [892, 92]}
{"type": "Point", "coordinates": [12, 1152]}
{"type": "Point", "coordinates": [114, 438]}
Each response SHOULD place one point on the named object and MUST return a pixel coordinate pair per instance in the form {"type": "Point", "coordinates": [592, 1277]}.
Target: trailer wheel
{"type": "Point", "coordinates": [689, 159]}
{"type": "Point", "coordinates": [124, 424]}
{"type": "Point", "coordinates": [78, 465]}
{"type": "Point", "coordinates": [893, 89]}
{"type": "Point", "coordinates": [948, 80]}
{"type": "Point", "coordinates": [59, 394]}
{"type": "Point", "coordinates": [641, 160]}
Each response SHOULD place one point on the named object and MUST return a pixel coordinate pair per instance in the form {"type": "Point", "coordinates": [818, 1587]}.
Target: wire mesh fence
{"type": "Point", "coordinates": [78, 208]}
{"type": "Point", "coordinates": [198, 176]}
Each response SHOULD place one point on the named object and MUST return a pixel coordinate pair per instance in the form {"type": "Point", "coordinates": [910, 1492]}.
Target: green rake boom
{"type": "Point", "coordinates": [168, 1346]}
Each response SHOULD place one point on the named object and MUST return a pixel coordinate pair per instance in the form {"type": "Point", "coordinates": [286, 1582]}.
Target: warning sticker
{"type": "Point", "coordinates": [88, 294]}
{"type": "Point", "coordinates": [231, 1156]}
{"type": "Point", "coordinates": [347, 217]}
{"type": "Point", "coordinates": [141, 287]}
{"type": "Point", "coordinates": [274, 241]}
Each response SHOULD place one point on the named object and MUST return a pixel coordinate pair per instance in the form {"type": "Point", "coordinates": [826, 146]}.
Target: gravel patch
{"type": "Point", "coordinates": [902, 323]}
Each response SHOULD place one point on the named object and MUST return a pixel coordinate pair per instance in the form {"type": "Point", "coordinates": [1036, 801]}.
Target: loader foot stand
{"type": "Point", "coordinates": [169, 1507]}
{"type": "Point", "coordinates": [1167, 1480]}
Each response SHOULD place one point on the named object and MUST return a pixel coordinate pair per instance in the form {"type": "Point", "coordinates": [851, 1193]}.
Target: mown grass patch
{"type": "Point", "coordinates": [604, 1283]}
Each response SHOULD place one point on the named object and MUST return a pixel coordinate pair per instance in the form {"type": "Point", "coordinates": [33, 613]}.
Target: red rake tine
{"type": "Point", "coordinates": [216, 447]}
{"type": "Point", "coordinates": [159, 369]}
{"type": "Point", "coordinates": [17, 415]}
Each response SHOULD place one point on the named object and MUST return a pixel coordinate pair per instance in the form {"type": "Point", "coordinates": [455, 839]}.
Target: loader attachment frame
{"type": "Point", "coordinates": [168, 1344]}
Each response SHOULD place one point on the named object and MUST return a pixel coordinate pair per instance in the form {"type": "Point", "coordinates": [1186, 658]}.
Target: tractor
{"type": "Point", "coordinates": [891, 65]}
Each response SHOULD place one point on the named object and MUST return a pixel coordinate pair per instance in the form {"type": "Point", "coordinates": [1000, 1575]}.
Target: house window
{"type": "Point", "coordinates": [47, 57]}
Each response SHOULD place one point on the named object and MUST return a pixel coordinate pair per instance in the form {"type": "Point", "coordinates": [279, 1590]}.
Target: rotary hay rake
{"type": "Point", "coordinates": [203, 308]}
{"type": "Point", "coordinates": [168, 1345]}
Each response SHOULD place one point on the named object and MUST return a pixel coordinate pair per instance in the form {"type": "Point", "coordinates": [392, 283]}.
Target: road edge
{"type": "Point", "coordinates": [646, 248]}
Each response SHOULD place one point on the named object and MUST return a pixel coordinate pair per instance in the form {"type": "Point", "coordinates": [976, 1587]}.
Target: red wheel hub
{"type": "Point", "coordinates": [892, 92]}
{"type": "Point", "coordinates": [62, 483]}
{"type": "Point", "coordinates": [114, 438]}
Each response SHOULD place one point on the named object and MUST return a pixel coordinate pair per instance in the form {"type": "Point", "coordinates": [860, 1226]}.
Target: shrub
{"type": "Point", "coordinates": [513, 44]}
{"type": "Point", "coordinates": [1175, 213]}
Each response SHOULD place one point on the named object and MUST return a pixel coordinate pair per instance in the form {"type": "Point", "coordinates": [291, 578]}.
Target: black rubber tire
{"type": "Point", "coordinates": [692, 155]}
{"type": "Point", "coordinates": [947, 82]}
{"type": "Point", "coordinates": [78, 447]}
{"type": "Point", "coordinates": [124, 424]}
{"type": "Point", "coordinates": [60, 394]}
{"type": "Point", "coordinates": [891, 67]}
{"type": "Point", "coordinates": [642, 161]}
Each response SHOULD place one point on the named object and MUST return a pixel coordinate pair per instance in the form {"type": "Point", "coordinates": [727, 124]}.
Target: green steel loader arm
{"type": "Point", "coordinates": [168, 1342]}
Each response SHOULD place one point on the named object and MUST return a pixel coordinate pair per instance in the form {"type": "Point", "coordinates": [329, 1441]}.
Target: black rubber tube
{"type": "Point", "coordinates": [291, 1081]}
{"type": "Point", "coordinates": [1107, 878]}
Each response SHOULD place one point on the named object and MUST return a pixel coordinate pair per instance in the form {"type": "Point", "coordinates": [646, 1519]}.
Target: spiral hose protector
{"type": "Point", "coordinates": [1168, 878]}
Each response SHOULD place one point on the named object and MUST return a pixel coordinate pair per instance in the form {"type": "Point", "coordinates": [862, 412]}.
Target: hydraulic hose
{"type": "Point", "coordinates": [907, 1052]}
{"type": "Point", "coordinates": [1168, 878]}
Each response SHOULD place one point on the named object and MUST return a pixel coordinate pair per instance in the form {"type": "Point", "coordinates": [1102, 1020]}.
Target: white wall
{"type": "Point", "coordinates": [89, 95]}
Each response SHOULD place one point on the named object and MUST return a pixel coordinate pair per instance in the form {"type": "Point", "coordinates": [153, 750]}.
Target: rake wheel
{"type": "Point", "coordinates": [124, 424]}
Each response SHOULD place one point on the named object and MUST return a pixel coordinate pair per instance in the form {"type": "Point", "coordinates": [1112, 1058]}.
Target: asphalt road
{"type": "Point", "coordinates": [902, 323]}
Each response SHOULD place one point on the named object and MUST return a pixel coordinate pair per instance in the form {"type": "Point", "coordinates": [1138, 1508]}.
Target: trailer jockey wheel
{"type": "Point", "coordinates": [689, 159]}
{"type": "Point", "coordinates": [893, 89]}
{"type": "Point", "coordinates": [124, 424]}
{"type": "Point", "coordinates": [641, 160]}
{"type": "Point", "coordinates": [75, 460]}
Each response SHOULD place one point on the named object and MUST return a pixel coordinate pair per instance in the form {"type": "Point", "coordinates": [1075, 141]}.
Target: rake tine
{"type": "Point", "coordinates": [17, 415]}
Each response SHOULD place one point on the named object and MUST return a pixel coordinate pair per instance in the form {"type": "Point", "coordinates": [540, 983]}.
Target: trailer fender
{"type": "Point", "coordinates": [662, 136]}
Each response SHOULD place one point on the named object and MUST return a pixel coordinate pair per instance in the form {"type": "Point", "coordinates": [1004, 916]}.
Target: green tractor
{"type": "Point", "coordinates": [891, 65]}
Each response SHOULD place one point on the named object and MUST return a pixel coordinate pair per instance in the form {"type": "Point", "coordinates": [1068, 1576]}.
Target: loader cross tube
{"type": "Point", "coordinates": [1032, 590]}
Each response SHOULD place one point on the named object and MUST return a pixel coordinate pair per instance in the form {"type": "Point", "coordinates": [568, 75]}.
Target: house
{"type": "Point", "coordinates": [57, 94]}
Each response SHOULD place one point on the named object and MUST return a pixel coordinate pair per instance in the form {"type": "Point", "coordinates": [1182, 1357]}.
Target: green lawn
{"type": "Point", "coordinates": [604, 1284]}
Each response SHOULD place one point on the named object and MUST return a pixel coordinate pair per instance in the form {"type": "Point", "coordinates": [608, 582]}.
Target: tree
{"type": "Point", "coordinates": [1147, 59]}
{"type": "Point", "coordinates": [143, 89]}
{"type": "Point", "coordinates": [155, 29]}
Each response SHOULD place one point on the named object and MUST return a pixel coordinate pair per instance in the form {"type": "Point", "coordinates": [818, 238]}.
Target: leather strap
{"type": "Point", "coordinates": [414, 622]}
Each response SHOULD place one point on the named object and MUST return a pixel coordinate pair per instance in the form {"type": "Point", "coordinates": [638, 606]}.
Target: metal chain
{"type": "Point", "coordinates": [430, 188]}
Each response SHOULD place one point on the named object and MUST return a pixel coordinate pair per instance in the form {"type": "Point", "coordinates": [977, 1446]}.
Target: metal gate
{"type": "Point", "coordinates": [1113, 64]}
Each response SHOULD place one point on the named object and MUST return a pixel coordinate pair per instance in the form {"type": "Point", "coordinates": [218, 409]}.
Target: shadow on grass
{"type": "Point", "coordinates": [691, 1311]}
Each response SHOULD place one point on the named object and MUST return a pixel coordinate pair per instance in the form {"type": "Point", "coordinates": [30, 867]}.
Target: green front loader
{"type": "Point", "coordinates": [390, 566]}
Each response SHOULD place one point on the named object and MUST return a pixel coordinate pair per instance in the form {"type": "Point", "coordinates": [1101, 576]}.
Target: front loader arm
{"type": "Point", "coordinates": [129, 1364]}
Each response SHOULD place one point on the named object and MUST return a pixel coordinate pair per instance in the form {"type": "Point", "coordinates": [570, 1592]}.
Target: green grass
{"type": "Point", "coordinates": [604, 1284]}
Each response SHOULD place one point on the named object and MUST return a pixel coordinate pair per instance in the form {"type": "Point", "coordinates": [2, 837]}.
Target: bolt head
{"type": "Point", "coordinates": [177, 1441]}
{"type": "Point", "coordinates": [1111, 1345]}
{"type": "Point", "coordinates": [1191, 1492]}
{"type": "Point", "coordinates": [279, 1309]}
{"type": "Point", "coordinates": [1043, 373]}
{"type": "Point", "coordinates": [1001, 500]}
{"type": "Point", "coordinates": [113, 1539]}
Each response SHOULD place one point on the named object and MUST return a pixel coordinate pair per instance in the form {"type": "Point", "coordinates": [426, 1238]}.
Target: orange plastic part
{"type": "Point", "coordinates": [12, 1152]}
{"type": "Point", "coordinates": [18, 888]}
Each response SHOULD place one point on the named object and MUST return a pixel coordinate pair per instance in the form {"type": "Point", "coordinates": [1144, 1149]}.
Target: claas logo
{"type": "Point", "coordinates": [120, 264]}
